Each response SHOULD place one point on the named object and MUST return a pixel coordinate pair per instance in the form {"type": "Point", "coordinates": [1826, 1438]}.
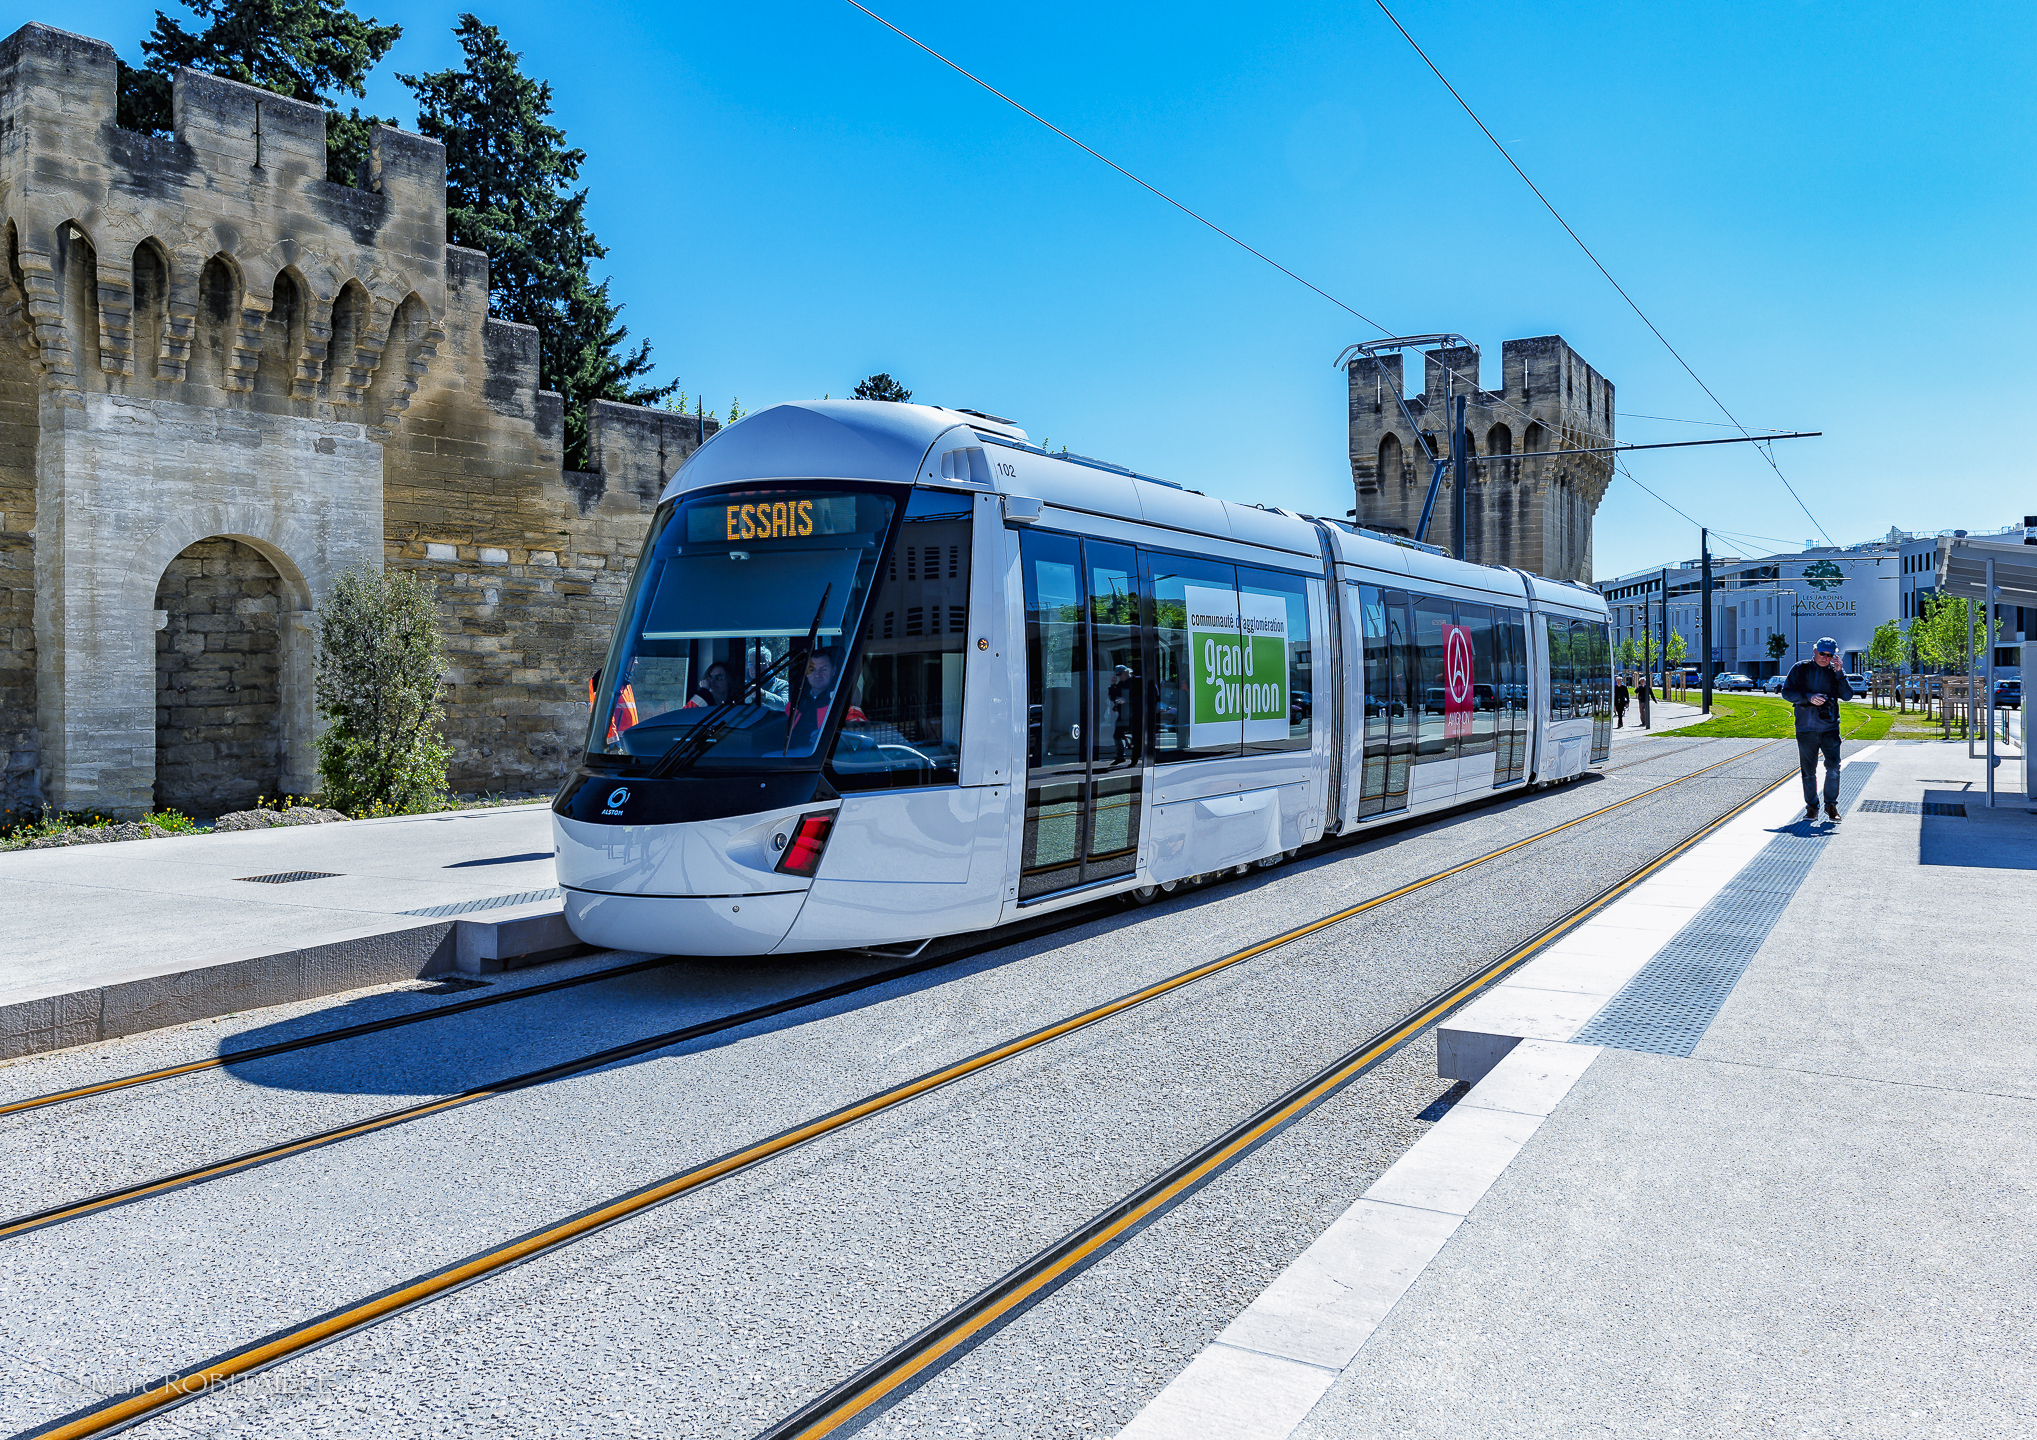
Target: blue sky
{"type": "Point", "coordinates": [1828, 209]}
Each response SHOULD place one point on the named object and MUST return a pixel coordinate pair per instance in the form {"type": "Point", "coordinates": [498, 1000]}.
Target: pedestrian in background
{"type": "Point", "coordinates": [1641, 689]}
{"type": "Point", "coordinates": [1815, 687]}
{"type": "Point", "coordinates": [1620, 698]}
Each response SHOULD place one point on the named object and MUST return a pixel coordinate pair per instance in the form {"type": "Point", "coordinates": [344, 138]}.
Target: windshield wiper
{"type": "Point", "coordinates": [708, 729]}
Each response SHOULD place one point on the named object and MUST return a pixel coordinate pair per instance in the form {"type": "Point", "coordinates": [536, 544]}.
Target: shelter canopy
{"type": "Point", "coordinates": [1962, 569]}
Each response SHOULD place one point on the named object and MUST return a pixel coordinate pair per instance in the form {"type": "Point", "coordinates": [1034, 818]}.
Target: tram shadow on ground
{"type": "Point", "coordinates": [492, 1044]}
{"type": "Point", "coordinates": [495, 1043]}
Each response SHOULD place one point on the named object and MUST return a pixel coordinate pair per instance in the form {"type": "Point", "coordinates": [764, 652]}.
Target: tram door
{"type": "Point", "coordinates": [1086, 706]}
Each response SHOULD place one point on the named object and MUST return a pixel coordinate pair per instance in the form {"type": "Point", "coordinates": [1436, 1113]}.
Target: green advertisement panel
{"type": "Point", "coordinates": [1240, 666]}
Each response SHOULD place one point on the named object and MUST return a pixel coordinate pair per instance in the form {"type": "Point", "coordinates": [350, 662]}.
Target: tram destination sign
{"type": "Point", "coordinates": [1239, 645]}
{"type": "Point", "coordinates": [785, 519]}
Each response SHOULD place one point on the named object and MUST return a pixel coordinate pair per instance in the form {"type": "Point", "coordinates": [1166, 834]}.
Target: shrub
{"type": "Point", "coordinates": [379, 666]}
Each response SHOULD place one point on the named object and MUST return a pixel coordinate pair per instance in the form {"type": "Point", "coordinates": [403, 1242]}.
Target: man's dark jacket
{"type": "Point", "coordinates": [1808, 678]}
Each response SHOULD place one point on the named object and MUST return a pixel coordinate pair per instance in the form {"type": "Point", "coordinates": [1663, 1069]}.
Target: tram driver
{"type": "Point", "coordinates": [813, 699]}
{"type": "Point", "coordinates": [713, 688]}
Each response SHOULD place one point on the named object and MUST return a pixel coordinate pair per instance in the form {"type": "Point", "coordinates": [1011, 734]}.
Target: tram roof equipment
{"type": "Point", "coordinates": [906, 443]}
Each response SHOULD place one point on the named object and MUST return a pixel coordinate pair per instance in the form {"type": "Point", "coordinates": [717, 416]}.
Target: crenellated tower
{"type": "Point", "coordinates": [224, 380]}
{"type": "Point", "coordinates": [1528, 512]}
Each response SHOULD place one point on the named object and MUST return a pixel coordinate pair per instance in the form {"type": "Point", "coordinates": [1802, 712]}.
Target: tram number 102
{"type": "Point", "coordinates": [1006, 471]}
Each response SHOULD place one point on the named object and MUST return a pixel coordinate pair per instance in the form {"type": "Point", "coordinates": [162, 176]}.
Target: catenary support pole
{"type": "Point", "coordinates": [1460, 478]}
{"type": "Point", "coordinates": [1662, 652]}
{"type": "Point", "coordinates": [1705, 618]}
{"type": "Point", "coordinates": [1988, 614]}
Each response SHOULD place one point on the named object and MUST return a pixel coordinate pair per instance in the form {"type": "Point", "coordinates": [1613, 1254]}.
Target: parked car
{"type": "Point", "coordinates": [2008, 694]}
{"type": "Point", "coordinates": [1858, 682]}
{"type": "Point", "coordinates": [1774, 683]}
{"type": "Point", "coordinates": [1733, 680]}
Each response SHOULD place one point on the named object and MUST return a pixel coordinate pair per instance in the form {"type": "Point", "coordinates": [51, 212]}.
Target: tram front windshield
{"type": "Point", "coordinates": [711, 666]}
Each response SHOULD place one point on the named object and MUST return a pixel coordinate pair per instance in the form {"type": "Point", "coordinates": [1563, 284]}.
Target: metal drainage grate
{"type": "Point", "coordinates": [1668, 1006]}
{"type": "Point", "coordinates": [1912, 807]}
{"type": "Point", "coordinates": [493, 902]}
{"type": "Point", "coordinates": [290, 877]}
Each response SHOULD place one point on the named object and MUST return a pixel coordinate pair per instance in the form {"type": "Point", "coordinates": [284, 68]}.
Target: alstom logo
{"type": "Point", "coordinates": [617, 798]}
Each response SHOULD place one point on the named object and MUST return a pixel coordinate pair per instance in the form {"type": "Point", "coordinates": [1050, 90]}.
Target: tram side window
{"type": "Point", "coordinates": [1591, 659]}
{"type": "Point", "coordinates": [1561, 693]}
{"type": "Point", "coordinates": [904, 725]}
{"type": "Point", "coordinates": [1379, 699]}
{"type": "Point", "coordinates": [1276, 693]}
{"type": "Point", "coordinates": [1479, 738]}
{"type": "Point", "coordinates": [1196, 657]}
{"type": "Point", "coordinates": [1433, 623]}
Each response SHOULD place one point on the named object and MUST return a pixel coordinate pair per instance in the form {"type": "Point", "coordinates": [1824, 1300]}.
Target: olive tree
{"type": "Point", "coordinates": [380, 663]}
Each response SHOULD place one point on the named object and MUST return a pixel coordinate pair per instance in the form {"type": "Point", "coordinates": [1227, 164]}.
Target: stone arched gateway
{"type": "Point", "coordinates": [111, 669]}
{"type": "Point", "coordinates": [222, 612]}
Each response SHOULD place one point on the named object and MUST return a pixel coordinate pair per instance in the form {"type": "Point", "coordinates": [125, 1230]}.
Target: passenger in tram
{"type": "Point", "coordinates": [1131, 702]}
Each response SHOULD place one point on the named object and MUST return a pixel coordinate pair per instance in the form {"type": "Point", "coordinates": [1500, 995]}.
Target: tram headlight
{"type": "Point", "coordinates": [809, 839]}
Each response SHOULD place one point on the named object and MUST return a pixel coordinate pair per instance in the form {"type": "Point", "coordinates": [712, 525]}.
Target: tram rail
{"type": "Point", "coordinates": [990, 1307]}
{"type": "Point", "coordinates": [1003, 936]}
{"type": "Point", "coordinates": [282, 1150]}
{"type": "Point", "coordinates": [1050, 1267]}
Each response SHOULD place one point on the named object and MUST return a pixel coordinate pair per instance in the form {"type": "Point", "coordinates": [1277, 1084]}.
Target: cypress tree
{"type": "Point", "coordinates": [510, 192]}
{"type": "Point", "coordinates": [304, 49]}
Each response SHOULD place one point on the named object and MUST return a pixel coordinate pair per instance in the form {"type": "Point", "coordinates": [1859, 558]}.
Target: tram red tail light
{"type": "Point", "coordinates": [809, 839]}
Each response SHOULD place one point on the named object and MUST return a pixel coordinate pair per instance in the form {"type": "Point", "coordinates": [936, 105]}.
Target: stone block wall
{"type": "Point", "coordinates": [528, 561]}
{"type": "Point", "coordinates": [204, 342]}
{"type": "Point", "coordinates": [20, 790]}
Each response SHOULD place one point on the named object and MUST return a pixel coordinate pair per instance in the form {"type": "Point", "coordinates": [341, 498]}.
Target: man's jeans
{"type": "Point", "coordinates": [1808, 747]}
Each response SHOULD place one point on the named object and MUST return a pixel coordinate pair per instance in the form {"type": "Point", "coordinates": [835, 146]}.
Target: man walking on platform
{"type": "Point", "coordinates": [1620, 697]}
{"type": "Point", "coordinates": [1815, 687]}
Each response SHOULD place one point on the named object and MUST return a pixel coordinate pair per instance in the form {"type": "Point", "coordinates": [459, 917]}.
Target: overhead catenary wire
{"type": "Point", "coordinates": [1596, 264]}
{"type": "Point", "coordinates": [1203, 220]}
{"type": "Point", "coordinates": [1154, 189]}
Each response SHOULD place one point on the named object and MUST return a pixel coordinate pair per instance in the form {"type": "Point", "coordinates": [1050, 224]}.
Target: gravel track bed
{"type": "Point", "coordinates": [734, 1305]}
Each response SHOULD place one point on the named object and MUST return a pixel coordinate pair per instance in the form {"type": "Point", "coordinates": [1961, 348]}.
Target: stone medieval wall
{"type": "Point", "coordinates": [19, 788]}
{"type": "Point", "coordinates": [1533, 514]}
{"type": "Point", "coordinates": [528, 561]}
{"type": "Point", "coordinates": [202, 339]}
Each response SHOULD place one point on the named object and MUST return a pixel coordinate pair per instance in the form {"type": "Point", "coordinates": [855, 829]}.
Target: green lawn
{"type": "Point", "coordinates": [1765, 717]}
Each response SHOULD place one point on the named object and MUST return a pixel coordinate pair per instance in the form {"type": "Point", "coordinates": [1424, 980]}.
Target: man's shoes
{"type": "Point", "coordinates": [1811, 814]}
{"type": "Point", "coordinates": [1831, 811]}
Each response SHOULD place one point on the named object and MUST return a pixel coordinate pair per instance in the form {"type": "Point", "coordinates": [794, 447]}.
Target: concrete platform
{"type": "Point", "coordinates": [1818, 1218]}
{"type": "Point", "coordinates": [107, 940]}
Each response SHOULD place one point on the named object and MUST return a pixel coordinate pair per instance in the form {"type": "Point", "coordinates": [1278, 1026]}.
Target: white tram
{"type": "Point", "coordinates": [886, 672]}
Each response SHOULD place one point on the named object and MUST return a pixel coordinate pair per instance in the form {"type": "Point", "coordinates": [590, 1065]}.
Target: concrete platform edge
{"type": "Point", "coordinates": [219, 985]}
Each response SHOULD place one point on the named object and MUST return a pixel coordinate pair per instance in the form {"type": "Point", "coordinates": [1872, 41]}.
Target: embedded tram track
{"type": "Point", "coordinates": [1047, 1269]}
{"type": "Point", "coordinates": [1004, 935]}
{"type": "Point", "coordinates": [220, 1169]}
{"type": "Point", "coordinates": [1000, 1301]}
